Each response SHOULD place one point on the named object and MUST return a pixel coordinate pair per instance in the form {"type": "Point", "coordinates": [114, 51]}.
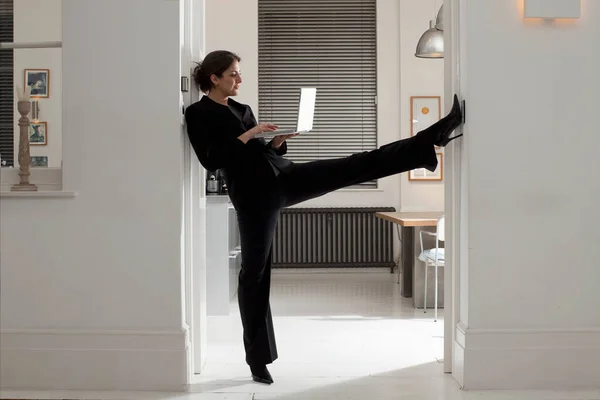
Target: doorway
{"type": "Point", "coordinates": [196, 202]}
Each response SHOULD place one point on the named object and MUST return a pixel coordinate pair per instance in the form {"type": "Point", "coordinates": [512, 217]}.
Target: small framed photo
{"type": "Point", "coordinates": [39, 161]}
{"type": "Point", "coordinates": [38, 133]}
{"type": "Point", "coordinates": [421, 174]}
{"type": "Point", "coordinates": [424, 112]}
{"type": "Point", "coordinates": [39, 81]}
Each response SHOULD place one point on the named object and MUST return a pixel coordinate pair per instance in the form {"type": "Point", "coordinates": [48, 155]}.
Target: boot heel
{"type": "Point", "coordinates": [445, 142]}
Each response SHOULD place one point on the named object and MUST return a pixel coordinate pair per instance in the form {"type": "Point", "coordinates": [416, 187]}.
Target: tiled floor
{"type": "Point", "coordinates": [340, 336]}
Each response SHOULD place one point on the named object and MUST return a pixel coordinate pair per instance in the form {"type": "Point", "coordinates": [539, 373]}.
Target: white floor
{"type": "Point", "coordinates": [345, 334]}
{"type": "Point", "coordinates": [340, 336]}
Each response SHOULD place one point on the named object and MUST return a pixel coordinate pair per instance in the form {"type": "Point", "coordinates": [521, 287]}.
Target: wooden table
{"type": "Point", "coordinates": [405, 223]}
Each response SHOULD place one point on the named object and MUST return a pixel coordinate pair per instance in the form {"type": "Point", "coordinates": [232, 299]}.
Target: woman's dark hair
{"type": "Point", "coordinates": [215, 62]}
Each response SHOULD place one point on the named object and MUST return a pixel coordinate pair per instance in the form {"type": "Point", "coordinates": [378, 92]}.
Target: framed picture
{"type": "Point", "coordinates": [39, 81]}
{"type": "Point", "coordinates": [424, 112]}
{"type": "Point", "coordinates": [422, 174]}
{"type": "Point", "coordinates": [38, 133]}
{"type": "Point", "coordinates": [39, 161]}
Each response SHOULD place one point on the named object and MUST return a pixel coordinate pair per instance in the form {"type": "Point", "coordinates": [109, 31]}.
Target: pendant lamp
{"type": "Point", "coordinates": [439, 21]}
{"type": "Point", "coordinates": [431, 43]}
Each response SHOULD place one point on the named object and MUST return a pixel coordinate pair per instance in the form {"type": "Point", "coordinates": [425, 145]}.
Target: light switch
{"type": "Point", "coordinates": [552, 9]}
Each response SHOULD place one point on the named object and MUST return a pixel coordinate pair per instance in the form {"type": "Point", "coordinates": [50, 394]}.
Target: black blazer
{"type": "Point", "coordinates": [213, 130]}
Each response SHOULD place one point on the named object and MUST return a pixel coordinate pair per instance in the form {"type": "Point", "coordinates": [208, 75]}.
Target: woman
{"type": "Point", "coordinates": [261, 182]}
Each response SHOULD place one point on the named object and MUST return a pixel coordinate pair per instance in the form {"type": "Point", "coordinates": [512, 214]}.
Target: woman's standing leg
{"type": "Point", "coordinates": [257, 227]}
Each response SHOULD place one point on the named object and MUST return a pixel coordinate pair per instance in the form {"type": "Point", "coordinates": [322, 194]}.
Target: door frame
{"type": "Point", "coordinates": [455, 188]}
{"type": "Point", "coordinates": [192, 46]}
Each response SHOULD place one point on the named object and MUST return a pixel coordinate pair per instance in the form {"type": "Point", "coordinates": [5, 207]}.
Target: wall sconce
{"type": "Point", "coordinates": [553, 9]}
{"type": "Point", "coordinates": [35, 110]}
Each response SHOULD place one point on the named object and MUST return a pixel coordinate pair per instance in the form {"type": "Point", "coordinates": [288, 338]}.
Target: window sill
{"type": "Point", "coordinates": [48, 180]}
{"type": "Point", "coordinates": [39, 194]}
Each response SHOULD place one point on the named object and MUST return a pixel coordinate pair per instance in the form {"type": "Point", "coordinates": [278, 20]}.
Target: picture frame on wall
{"type": "Point", "coordinates": [39, 81]}
{"type": "Point", "coordinates": [38, 134]}
{"type": "Point", "coordinates": [424, 112]}
{"type": "Point", "coordinates": [39, 161]}
{"type": "Point", "coordinates": [421, 174]}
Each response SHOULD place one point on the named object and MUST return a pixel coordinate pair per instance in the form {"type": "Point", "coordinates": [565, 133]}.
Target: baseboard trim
{"type": "Point", "coordinates": [47, 359]}
{"type": "Point", "coordinates": [332, 270]}
{"type": "Point", "coordinates": [522, 359]}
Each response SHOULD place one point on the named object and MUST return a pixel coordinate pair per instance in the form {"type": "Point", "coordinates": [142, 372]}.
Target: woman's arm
{"type": "Point", "coordinates": [282, 149]}
{"type": "Point", "coordinates": [215, 150]}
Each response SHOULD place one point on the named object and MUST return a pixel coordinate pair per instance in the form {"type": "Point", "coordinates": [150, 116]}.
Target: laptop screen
{"type": "Point", "coordinates": [306, 109]}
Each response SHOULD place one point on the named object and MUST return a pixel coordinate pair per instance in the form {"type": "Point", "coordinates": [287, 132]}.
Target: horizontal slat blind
{"type": "Point", "coordinates": [330, 45]}
{"type": "Point", "coordinates": [7, 130]}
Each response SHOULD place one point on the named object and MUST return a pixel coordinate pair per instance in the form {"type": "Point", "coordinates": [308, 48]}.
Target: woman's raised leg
{"type": "Point", "coordinates": [313, 179]}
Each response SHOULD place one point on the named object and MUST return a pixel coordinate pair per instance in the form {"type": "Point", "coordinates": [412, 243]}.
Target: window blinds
{"type": "Point", "coordinates": [7, 100]}
{"type": "Point", "coordinates": [330, 45]}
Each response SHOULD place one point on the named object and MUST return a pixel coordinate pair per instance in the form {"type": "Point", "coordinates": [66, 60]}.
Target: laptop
{"type": "Point", "coordinates": [306, 115]}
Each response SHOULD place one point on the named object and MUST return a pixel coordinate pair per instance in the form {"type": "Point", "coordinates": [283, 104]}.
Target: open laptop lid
{"type": "Point", "coordinates": [305, 117]}
{"type": "Point", "coordinates": [306, 109]}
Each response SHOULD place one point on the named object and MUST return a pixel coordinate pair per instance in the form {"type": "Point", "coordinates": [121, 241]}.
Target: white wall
{"type": "Point", "coordinates": [233, 25]}
{"type": "Point", "coordinates": [532, 134]}
{"type": "Point", "coordinates": [419, 77]}
{"type": "Point", "coordinates": [399, 26]}
{"type": "Point", "coordinates": [40, 21]}
{"type": "Point", "coordinates": [91, 289]}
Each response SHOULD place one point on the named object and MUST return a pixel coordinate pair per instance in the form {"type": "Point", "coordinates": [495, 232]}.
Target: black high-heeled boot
{"type": "Point", "coordinates": [448, 124]}
{"type": "Point", "coordinates": [261, 374]}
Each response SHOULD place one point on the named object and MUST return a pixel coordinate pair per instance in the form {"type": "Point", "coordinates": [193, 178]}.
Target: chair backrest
{"type": "Point", "coordinates": [441, 229]}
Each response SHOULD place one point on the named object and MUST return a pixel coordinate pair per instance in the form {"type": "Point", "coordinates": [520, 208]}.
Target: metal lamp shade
{"type": "Point", "coordinates": [431, 44]}
{"type": "Point", "coordinates": [439, 21]}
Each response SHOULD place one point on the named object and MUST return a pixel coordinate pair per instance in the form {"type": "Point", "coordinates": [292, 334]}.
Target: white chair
{"type": "Point", "coordinates": [433, 257]}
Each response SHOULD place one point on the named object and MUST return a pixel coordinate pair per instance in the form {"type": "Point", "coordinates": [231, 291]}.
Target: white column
{"type": "Point", "coordinates": [528, 300]}
{"type": "Point", "coordinates": [92, 286]}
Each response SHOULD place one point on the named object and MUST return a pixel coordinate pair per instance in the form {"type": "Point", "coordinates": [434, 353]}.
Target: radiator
{"type": "Point", "coordinates": [333, 237]}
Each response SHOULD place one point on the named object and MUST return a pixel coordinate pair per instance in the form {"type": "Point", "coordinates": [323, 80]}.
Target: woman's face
{"type": "Point", "coordinates": [229, 83]}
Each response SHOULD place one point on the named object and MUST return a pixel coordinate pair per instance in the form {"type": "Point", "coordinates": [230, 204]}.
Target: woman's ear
{"type": "Point", "coordinates": [214, 79]}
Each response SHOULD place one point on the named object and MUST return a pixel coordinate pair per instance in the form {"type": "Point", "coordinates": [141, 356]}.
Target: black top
{"type": "Point", "coordinates": [213, 130]}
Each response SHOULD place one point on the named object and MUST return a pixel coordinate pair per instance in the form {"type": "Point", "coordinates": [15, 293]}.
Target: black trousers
{"type": "Point", "coordinates": [303, 182]}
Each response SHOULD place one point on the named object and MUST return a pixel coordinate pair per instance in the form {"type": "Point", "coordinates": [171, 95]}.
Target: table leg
{"type": "Point", "coordinates": [407, 252]}
{"type": "Point", "coordinates": [399, 262]}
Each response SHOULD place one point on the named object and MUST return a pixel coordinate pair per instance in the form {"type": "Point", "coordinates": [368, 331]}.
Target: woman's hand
{"type": "Point", "coordinates": [263, 127]}
{"type": "Point", "coordinates": [278, 140]}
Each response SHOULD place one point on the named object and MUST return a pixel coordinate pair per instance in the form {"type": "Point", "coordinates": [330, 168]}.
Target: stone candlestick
{"type": "Point", "coordinates": [24, 157]}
